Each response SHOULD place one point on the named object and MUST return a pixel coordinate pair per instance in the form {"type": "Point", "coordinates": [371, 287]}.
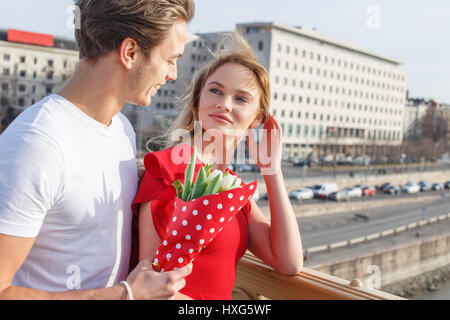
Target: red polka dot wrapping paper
{"type": "Point", "coordinates": [195, 223]}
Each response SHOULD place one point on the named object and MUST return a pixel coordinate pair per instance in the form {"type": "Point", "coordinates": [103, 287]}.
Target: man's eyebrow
{"type": "Point", "coordinates": [221, 85]}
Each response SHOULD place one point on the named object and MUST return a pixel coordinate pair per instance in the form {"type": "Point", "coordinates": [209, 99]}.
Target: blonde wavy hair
{"type": "Point", "coordinates": [232, 49]}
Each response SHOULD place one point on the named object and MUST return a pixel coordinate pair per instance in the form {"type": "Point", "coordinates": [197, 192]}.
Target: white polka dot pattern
{"type": "Point", "coordinates": [194, 221]}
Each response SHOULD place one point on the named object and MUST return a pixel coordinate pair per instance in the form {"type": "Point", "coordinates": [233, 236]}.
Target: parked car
{"type": "Point", "coordinates": [437, 186]}
{"type": "Point", "coordinates": [301, 194]}
{"type": "Point", "coordinates": [447, 185]}
{"type": "Point", "coordinates": [424, 186]}
{"type": "Point", "coordinates": [411, 187]}
{"type": "Point", "coordinates": [384, 186]}
{"type": "Point", "coordinates": [323, 190]}
{"type": "Point", "coordinates": [247, 168]}
{"type": "Point", "coordinates": [392, 189]}
{"type": "Point", "coordinates": [341, 195]}
{"type": "Point", "coordinates": [355, 192]}
{"type": "Point", "coordinates": [369, 191]}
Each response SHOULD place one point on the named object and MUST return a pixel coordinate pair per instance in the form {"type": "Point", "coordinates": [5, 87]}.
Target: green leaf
{"type": "Point", "coordinates": [178, 187]}
{"type": "Point", "coordinates": [200, 184]}
{"type": "Point", "coordinates": [189, 176]}
{"type": "Point", "coordinates": [214, 186]}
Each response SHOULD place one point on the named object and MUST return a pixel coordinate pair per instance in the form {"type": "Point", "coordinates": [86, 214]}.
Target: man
{"type": "Point", "coordinates": [68, 169]}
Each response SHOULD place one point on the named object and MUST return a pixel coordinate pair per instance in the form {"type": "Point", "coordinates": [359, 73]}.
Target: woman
{"type": "Point", "coordinates": [228, 95]}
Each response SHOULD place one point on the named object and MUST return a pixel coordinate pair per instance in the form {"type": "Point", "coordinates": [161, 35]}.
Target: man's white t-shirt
{"type": "Point", "coordinates": [69, 181]}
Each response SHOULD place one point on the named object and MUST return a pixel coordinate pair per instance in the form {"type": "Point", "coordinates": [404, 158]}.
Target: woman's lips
{"type": "Point", "coordinates": [221, 119]}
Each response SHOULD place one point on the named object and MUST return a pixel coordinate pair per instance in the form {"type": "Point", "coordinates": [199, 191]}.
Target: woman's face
{"type": "Point", "coordinates": [229, 100]}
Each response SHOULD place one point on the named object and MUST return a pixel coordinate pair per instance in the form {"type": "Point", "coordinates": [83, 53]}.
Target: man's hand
{"type": "Point", "coordinates": [148, 284]}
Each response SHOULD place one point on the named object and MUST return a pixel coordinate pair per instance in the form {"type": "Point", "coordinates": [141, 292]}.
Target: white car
{"type": "Point", "coordinates": [411, 187]}
{"type": "Point", "coordinates": [323, 190]}
{"type": "Point", "coordinates": [437, 186]}
{"type": "Point", "coordinates": [301, 194]}
{"type": "Point", "coordinates": [355, 192]}
{"type": "Point", "coordinates": [341, 195]}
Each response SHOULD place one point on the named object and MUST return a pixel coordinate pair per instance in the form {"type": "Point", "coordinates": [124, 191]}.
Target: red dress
{"type": "Point", "coordinates": [214, 270]}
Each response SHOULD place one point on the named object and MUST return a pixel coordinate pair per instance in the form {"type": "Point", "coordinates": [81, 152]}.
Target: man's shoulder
{"type": "Point", "coordinates": [42, 116]}
{"type": "Point", "coordinates": [125, 122]}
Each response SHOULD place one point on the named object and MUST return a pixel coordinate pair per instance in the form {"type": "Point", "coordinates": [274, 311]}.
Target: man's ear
{"type": "Point", "coordinates": [128, 51]}
{"type": "Point", "coordinates": [256, 122]}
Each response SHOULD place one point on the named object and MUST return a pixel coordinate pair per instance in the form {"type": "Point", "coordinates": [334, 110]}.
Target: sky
{"type": "Point", "coordinates": [415, 32]}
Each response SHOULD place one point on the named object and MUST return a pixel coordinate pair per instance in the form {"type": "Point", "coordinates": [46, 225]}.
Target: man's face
{"type": "Point", "coordinates": [149, 75]}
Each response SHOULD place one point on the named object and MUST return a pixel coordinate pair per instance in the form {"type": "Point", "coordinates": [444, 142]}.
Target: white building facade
{"type": "Point", "coordinates": [328, 95]}
{"type": "Point", "coordinates": [30, 72]}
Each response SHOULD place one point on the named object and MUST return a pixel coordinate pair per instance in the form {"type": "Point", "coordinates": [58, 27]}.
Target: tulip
{"type": "Point", "coordinates": [213, 186]}
{"type": "Point", "coordinates": [236, 184]}
{"type": "Point", "coordinates": [227, 182]}
{"type": "Point", "coordinates": [213, 174]}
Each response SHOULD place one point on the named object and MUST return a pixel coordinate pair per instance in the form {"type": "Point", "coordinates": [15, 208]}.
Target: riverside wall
{"type": "Point", "coordinates": [402, 268]}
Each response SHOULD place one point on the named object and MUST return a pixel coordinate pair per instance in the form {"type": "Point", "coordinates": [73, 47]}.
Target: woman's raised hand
{"type": "Point", "coordinates": [267, 153]}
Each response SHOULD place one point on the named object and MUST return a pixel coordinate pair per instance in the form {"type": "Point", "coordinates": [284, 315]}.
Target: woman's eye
{"type": "Point", "coordinates": [213, 90]}
{"type": "Point", "coordinates": [242, 99]}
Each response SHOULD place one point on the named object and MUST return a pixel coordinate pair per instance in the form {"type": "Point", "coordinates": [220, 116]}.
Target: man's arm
{"type": "Point", "coordinates": [145, 283]}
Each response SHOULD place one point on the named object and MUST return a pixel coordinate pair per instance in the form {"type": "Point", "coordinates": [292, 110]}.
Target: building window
{"type": "Point", "coordinates": [50, 63]}
{"type": "Point", "coordinates": [6, 57]}
{"type": "Point", "coordinates": [260, 46]}
{"type": "Point", "coordinates": [6, 72]}
{"type": "Point", "coordinates": [50, 75]}
{"type": "Point", "coordinates": [22, 73]}
{"type": "Point", "coordinates": [22, 59]}
{"type": "Point", "coordinates": [49, 89]}
{"type": "Point", "coordinates": [21, 102]}
{"type": "Point", "coordinates": [4, 101]}
{"type": "Point", "coordinates": [22, 88]}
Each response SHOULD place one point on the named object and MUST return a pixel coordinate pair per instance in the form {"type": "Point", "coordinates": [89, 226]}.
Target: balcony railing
{"type": "Point", "coordinates": [257, 281]}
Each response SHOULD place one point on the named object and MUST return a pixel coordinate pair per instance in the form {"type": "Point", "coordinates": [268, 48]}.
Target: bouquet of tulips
{"type": "Point", "coordinates": [201, 209]}
{"type": "Point", "coordinates": [207, 182]}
